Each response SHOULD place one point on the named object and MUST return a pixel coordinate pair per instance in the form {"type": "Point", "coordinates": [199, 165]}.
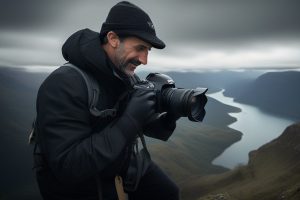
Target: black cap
{"type": "Point", "coordinates": [127, 19]}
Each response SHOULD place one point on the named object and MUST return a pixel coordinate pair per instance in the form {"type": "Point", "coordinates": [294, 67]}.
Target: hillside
{"type": "Point", "coordinates": [18, 92]}
{"type": "Point", "coordinates": [273, 172]}
{"type": "Point", "coordinates": [274, 92]}
{"type": "Point", "coordinates": [191, 149]}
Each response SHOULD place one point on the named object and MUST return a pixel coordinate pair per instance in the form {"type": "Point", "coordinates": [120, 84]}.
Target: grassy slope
{"type": "Point", "coordinates": [273, 172]}
{"type": "Point", "coordinates": [191, 149]}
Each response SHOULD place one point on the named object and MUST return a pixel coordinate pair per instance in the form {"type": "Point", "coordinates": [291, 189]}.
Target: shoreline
{"type": "Point", "coordinates": [192, 149]}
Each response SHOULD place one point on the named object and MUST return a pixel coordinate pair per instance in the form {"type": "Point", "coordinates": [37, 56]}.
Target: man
{"type": "Point", "coordinates": [81, 155]}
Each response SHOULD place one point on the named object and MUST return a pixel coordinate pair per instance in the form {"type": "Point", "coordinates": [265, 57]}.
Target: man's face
{"type": "Point", "coordinates": [130, 53]}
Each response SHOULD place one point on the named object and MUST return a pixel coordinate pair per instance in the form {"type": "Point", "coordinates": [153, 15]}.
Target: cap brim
{"type": "Point", "coordinates": [147, 37]}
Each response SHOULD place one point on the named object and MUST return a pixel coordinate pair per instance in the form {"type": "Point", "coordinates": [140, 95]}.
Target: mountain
{"type": "Point", "coordinates": [277, 93]}
{"type": "Point", "coordinates": [217, 114]}
{"type": "Point", "coordinates": [273, 172]}
{"type": "Point", "coordinates": [213, 80]}
{"type": "Point", "coordinates": [18, 92]}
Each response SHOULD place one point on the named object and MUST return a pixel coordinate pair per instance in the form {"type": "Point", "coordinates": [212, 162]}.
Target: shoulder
{"type": "Point", "coordinates": [64, 80]}
{"type": "Point", "coordinates": [64, 72]}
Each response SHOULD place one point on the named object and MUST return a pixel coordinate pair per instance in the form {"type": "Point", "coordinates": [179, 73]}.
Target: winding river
{"type": "Point", "coordinates": [257, 127]}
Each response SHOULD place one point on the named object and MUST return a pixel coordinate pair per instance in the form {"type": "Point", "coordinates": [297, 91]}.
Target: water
{"type": "Point", "coordinates": [257, 127]}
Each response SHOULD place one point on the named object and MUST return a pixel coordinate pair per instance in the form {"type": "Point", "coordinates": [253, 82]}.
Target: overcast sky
{"type": "Point", "coordinates": [198, 33]}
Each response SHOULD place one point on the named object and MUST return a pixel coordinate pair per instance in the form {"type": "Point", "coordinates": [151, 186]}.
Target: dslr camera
{"type": "Point", "coordinates": [177, 101]}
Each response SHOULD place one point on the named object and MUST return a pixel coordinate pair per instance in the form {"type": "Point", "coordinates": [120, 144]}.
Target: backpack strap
{"type": "Point", "coordinates": [93, 93]}
{"type": "Point", "coordinates": [93, 96]}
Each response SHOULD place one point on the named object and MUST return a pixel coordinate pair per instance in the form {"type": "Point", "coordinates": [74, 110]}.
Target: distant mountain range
{"type": "Point", "coordinates": [275, 92]}
{"type": "Point", "coordinates": [18, 92]}
{"type": "Point", "coordinates": [213, 80]}
{"type": "Point", "coordinates": [273, 172]}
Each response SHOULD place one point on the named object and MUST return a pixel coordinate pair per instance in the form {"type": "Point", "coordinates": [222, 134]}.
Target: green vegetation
{"type": "Point", "coordinates": [273, 172]}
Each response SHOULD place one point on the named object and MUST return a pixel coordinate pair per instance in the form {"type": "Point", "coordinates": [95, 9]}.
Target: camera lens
{"type": "Point", "coordinates": [197, 103]}
{"type": "Point", "coordinates": [184, 102]}
{"type": "Point", "coordinates": [178, 101]}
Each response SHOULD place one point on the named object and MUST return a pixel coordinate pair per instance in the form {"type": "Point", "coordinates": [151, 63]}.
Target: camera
{"type": "Point", "coordinates": [177, 101]}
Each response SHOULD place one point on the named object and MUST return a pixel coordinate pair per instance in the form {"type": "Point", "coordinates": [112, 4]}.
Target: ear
{"type": "Point", "coordinates": [113, 39]}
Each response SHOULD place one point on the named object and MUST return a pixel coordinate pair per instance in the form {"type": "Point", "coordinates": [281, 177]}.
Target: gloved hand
{"type": "Point", "coordinates": [141, 107]}
{"type": "Point", "coordinates": [162, 126]}
{"type": "Point", "coordinates": [170, 117]}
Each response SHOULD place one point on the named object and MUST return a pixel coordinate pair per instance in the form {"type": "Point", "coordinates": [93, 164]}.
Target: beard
{"type": "Point", "coordinates": [123, 64]}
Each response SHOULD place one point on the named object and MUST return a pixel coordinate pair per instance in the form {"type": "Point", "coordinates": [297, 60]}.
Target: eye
{"type": "Point", "coordinates": [141, 48]}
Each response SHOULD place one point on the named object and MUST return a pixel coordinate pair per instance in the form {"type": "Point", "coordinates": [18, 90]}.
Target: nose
{"type": "Point", "coordinates": [143, 57]}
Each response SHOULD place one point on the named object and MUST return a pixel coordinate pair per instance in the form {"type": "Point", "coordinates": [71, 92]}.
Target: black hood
{"type": "Point", "coordinates": [83, 49]}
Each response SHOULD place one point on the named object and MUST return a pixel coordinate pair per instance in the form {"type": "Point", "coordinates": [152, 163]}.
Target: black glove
{"type": "Point", "coordinates": [162, 127]}
{"type": "Point", "coordinates": [170, 117]}
{"type": "Point", "coordinates": [141, 107]}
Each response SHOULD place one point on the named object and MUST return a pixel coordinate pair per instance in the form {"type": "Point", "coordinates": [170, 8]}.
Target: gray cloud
{"type": "Point", "coordinates": [233, 20]}
{"type": "Point", "coordinates": [186, 24]}
{"type": "Point", "coordinates": [207, 19]}
{"type": "Point", "coordinates": [27, 15]}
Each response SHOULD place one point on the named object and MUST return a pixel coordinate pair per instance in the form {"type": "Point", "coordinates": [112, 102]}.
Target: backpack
{"type": "Point", "coordinates": [93, 97]}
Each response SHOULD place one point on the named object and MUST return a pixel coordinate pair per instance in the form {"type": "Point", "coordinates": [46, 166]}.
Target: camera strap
{"type": "Point", "coordinates": [142, 137]}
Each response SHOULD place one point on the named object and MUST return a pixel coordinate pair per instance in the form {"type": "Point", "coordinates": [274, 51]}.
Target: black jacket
{"type": "Point", "coordinates": [76, 147]}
